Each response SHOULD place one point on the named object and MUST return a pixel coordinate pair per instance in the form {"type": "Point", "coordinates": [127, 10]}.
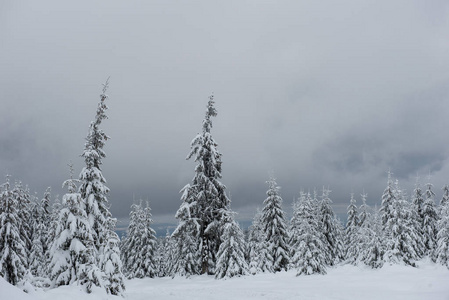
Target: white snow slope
{"type": "Point", "coordinates": [428, 281]}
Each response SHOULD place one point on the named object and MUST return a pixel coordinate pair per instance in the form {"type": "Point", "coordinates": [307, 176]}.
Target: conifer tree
{"type": "Point", "coordinates": [364, 213]}
{"type": "Point", "coordinates": [295, 223]}
{"type": "Point", "coordinates": [187, 248]}
{"type": "Point", "coordinates": [417, 216]}
{"type": "Point", "coordinates": [52, 230]}
{"type": "Point", "coordinates": [13, 254]}
{"type": "Point", "coordinates": [388, 198]}
{"type": "Point", "coordinates": [139, 248]}
{"type": "Point", "coordinates": [309, 251]}
{"type": "Point", "coordinates": [429, 220]}
{"type": "Point", "coordinates": [111, 262]}
{"type": "Point", "coordinates": [93, 189]}
{"type": "Point", "coordinates": [441, 254]}
{"type": "Point", "coordinates": [23, 199]}
{"type": "Point", "coordinates": [275, 228]}
{"type": "Point", "coordinates": [352, 231]}
{"type": "Point", "coordinates": [164, 255]}
{"type": "Point", "coordinates": [260, 259]}
{"type": "Point", "coordinates": [444, 199]}
{"type": "Point", "coordinates": [130, 242]}
{"type": "Point", "coordinates": [330, 230]}
{"type": "Point", "coordinates": [72, 251]}
{"type": "Point", "coordinates": [371, 241]}
{"type": "Point", "coordinates": [400, 235]}
{"type": "Point", "coordinates": [148, 242]}
{"type": "Point", "coordinates": [204, 201]}
{"type": "Point", "coordinates": [231, 254]}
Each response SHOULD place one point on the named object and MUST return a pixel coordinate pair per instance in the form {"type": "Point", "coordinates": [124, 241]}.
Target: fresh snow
{"type": "Point", "coordinates": [428, 281]}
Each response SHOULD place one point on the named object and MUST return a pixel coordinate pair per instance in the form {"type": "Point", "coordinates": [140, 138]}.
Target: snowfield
{"type": "Point", "coordinates": [428, 281]}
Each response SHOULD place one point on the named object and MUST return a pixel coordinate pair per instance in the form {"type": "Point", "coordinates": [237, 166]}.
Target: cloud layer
{"type": "Point", "coordinates": [325, 93]}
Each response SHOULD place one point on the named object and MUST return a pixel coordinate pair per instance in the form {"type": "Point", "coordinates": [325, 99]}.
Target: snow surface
{"type": "Point", "coordinates": [428, 281]}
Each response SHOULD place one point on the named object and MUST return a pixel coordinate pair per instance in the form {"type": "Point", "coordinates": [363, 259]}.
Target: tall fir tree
{"type": "Point", "coordinates": [275, 228]}
{"type": "Point", "coordinates": [93, 189]}
{"type": "Point", "coordinates": [13, 253]}
{"type": "Point", "coordinates": [205, 202]}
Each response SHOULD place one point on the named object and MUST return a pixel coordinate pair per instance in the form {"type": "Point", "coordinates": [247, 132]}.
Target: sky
{"type": "Point", "coordinates": [318, 93]}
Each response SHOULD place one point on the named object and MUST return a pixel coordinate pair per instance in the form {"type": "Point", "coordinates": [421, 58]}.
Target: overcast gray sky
{"type": "Point", "coordinates": [327, 93]}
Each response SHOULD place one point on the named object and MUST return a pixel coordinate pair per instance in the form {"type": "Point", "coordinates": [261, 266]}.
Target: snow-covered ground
{"type": "Point", "coordinates": [428, 281]}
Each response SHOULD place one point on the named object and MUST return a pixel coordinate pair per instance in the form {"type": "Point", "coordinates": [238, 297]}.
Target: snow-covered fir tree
{"type": "Point", "coordinates": [231, 254]}
{"type": "Point", "coordinates": [73, 249]}
{"type": "Point", "coordinates": [139, 247]}
{"type": "Point", "coordinates": [333, 239]}
{"type": "Point", "coordinates": [260, 259]}
{"type": "Point", "coordinates": [24, 214]}
{"type": "Point", "coordinates": [417, 203]}
{"type": "Point", "coordinates": [388, 198]}
{"type": "Point", "coordinates": [129, 242]}
{"type": "Point", "coordinates": [444, 199]}
{"type": "Point", "coordinates": [13, 254]}
{"type": "Point", "coordinates": [371, 241]}
{"type": "Point", "coordinates": [111, 262]}
{"type": "Point", "coordinates": [186, 254]}
{"type": "Point", "coordinates": [352, 231]}
{"type": "Point", "coordinates": [164, 255]}
{"type": "Point", "coordinates": [275, 228]}
{"type": "Point", "coordinates": [149, 244]}
{"type": "Point", "coordinates": [187, 249]}
{"type": "Point", "coordinates": [52, 228]}
{"type": "Point", "coordinates": [295, 221]}
{"type": "Point", "coordinates": [93, 189]}
{"type": "Point", "coordinates": [204, 201]}
{"type": "Point", "coordinates": [309, 251]}
{"type": "Point", "coordinates": [40, 223]}
{"type": "Point", "coordinates": [363, 210]}
{"type": "Point", "coordinates": [441, 253]}
{"type": "Point", "coordinates": [400, 236]}
{"type": "Point", "coordinates": [429, 220]}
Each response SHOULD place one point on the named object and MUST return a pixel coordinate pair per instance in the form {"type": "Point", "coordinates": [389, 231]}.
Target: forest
{"type": "Point", "coordinates": [51, 243]}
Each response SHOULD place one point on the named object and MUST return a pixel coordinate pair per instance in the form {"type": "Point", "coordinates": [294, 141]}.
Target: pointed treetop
{"type": "Point", "coordinates": [429, 178]}
{"type": "Point", "coordinates": [389, 180]}
{"type": "Point", "coordinates": [70, 183]}
{"type": "Point", "coordinates": [210, 112]}
{"type": "Point", "coordinates": [106, 85]}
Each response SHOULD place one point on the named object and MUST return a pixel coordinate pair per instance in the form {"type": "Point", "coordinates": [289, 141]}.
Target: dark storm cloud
{"type": "Point", "coordinates": [321, 93]}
